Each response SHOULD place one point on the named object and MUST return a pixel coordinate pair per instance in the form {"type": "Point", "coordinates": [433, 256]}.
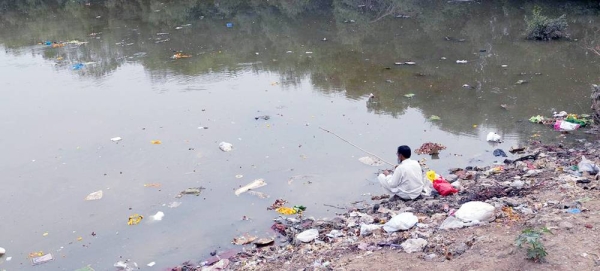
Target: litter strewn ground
{"type": "Point", "coordinates": [472, 230]}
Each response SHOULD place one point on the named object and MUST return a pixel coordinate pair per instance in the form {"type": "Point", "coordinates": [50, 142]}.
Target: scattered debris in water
{"type": "Point", "coordinates": [191, 191]}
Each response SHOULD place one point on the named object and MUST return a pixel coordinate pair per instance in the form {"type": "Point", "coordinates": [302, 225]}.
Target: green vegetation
{"type": "Point", "coordinates": [540, 27]}
{"type": "Point", "coordinates": [532, 239]}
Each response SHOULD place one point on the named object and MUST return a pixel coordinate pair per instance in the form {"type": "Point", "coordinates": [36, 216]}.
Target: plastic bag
{"type": "Point", "coordinates": [253, 185]}
{"type": "Point", "coordinates": [308, 235]}
{"type": "Point", "coordinates": [430, 175]}
{"type": "Point", "coordinates": [587, 166]}
{"type": "Point", "coordinates": [226, 147]}
{"type": "Point", "coordinates": [565, 126]}
{"type": "Point", "coordinates": [135, 219]}
{"type": "Point", "coordinates": [536, 119]}
{"type": "Point", "coordinates": [452, 222]}
{"type": "Point", "coordinates": [286, 211]}
{"type": "Point", "coordinates": [493, 137]}
{"type": "Point", "coordinates": [401, 222]}
{"type": "Point", "coordinates": [94, 195]}
{"type": "Point", "coordinates": [366, 229]}
{"type": "Point", "coordinates": [476, 211]}
{"type": "Point", "coordinates": [427, 188]}
{"type": "Point", "coordinates": [444, 187]}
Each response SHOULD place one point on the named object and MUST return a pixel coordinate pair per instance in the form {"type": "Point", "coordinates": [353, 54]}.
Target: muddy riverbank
{"type": "Point", "coordinates": [546, 191]}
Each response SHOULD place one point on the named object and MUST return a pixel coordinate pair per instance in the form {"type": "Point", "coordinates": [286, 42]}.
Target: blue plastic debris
{"type": "Point", "coordinates": [499, 152]}
{"type": "Point", "coordinates": [78, 66]}
{"type": "Point", "coordinates": [574, 211]}
{"type": "Point", "coordinates": [229, 25]}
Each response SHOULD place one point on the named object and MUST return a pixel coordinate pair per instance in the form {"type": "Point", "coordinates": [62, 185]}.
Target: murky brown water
{"type": "Point", "coordinates": [57, 122]}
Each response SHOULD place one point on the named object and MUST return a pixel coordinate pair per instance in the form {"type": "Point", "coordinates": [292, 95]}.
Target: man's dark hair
{"type": "Point", "coordinates": [404, 151]}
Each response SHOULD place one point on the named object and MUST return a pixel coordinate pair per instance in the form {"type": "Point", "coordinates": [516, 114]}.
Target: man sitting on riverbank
{"type": "Point", "coordinates": [407, 180]}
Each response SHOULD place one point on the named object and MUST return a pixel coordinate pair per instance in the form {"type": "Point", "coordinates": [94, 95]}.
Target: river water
{"type": "Point", "coordinates": [306, 67]}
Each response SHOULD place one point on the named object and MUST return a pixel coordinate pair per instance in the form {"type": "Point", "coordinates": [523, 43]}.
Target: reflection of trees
{"type": "Point", "coordinates": [357, 57]}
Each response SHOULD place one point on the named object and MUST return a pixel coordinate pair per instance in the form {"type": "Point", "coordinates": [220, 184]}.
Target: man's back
{"type": "Point", "coordinates": [407, 180]}
{"type": "Point", "coordinates": [411, 181]}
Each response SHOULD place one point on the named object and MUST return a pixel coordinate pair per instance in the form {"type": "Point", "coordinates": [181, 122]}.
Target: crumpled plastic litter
{"type": "Point", "coordinates": [499, 152]}
{"type": "Point", "coordinates": [536, 119]}
{"type": "Point", "coordinates": [253, 185]}
{"type": "Point", "coordinates": [158, 216]}
{"type": "Point", "coordinates": [401, 222]}
{"type": "Point", "coordinates": [452, 222]}
{"type": "Point", "coordinates": [444, 187]}
{"type": "Point", "coordinates": [135, 219]}
{"type": "Point", "coordinates": [493, 137]}
{"type": "Point", "coordinates": [561, 125]}
{"type": "Point", "coordinates": [286, 211]}
{"type": "Point", "coordinates": [180, 55]}
{"type": "Point", "coordinates": [367, 229]}
{"type": "Point", "coordinates": [42, 259]}
{"type": "Point", "coordinates": [308, 235]}
{"type": "Point", "coordinates": [226, 147]}
{"type": "Point", "coordinates": [126, 265]}
{"type": "Point", "coordinates": [476, 211]}
{"type": "Point", "coordinates": [94, 195]}
{"type": "Point", "coordinates": [587, 166]}
{"type": "Point", "coordinates": [561, 114]}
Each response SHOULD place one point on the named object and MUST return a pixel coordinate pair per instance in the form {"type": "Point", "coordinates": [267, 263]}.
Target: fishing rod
{"type": "Point", "coordinates": [353, 145]}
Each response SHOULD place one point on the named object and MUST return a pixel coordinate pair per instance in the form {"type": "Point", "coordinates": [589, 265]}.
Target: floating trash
{"type": "Point", "coordinates": [430, 148]}
{"type": "Point", "coordinates": [244, 239]}
{"type": "Point", "coordinates": [253, 185]}
{"type": "Point", "coordinates": [135, 219]}
{"type": "Point", "coordinates": [158, 216]}
{"type": "Point", "coordinates": [94, 195]}
{"type": "Point", "coordinates": [191, 191]}
{"type": "Point", "coordinates": [42, 259]}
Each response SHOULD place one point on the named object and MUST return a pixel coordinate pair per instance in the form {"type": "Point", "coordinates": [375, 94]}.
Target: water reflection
{"type": "Point", "coordinates": [343, 46]}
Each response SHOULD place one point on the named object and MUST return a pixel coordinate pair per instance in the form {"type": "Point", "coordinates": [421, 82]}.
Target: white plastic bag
{"type": "Point", "coordinates": [451, 222]}
{"type": "Point", "coordinates": [561, 114]}
{"type": "Point", "coordinates": [308, 235]}
{"type": "Point", "coordinates": [226, 147]}
{"type": "Point", "coordinates": [587, 166]}
{"type": "Point", "coordinates": [427, 187]}
{"type": "Point", "coordinates": [158, 216]}
{"type": "Point", "coordinates": [94, 195]}
{"type": "Point", "coordinates": [367, 229]}
{"type": "Point", "coordinates": [253, 185]}
{"type": "Point", "coordinates": [474, 211]}
{"type": "Point", "coordinates": [401, 222]}
{"type": "Point", "coordinates": [493, 137]}
{"type": "Point", "coordinates": [562, 125]}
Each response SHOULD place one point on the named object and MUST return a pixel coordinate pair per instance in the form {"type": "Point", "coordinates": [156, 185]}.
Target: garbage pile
{"type": "Point", "coordinates": [430, 148]}
{"type": "Point", "coordinates": [523, 190]}
{"type": "Point", "coordinates": [563, 121]}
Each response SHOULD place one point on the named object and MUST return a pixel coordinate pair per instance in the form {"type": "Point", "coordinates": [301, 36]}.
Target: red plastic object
{"type": "Point", "coordinates": [444, 187]}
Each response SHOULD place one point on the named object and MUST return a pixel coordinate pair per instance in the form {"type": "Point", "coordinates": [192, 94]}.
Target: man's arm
{"type": "Point", "coordinates": [394, 179]}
